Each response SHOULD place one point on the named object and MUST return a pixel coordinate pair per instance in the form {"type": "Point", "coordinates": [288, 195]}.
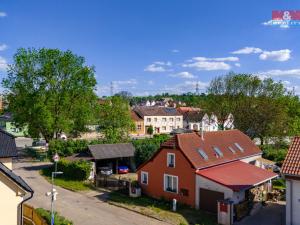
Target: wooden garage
{"type": "Point", "coordinates": [208, 200]}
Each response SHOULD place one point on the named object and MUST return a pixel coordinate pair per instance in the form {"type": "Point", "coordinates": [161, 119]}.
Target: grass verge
{"type": "Point", "coordinates": [72, 185]}
{"type": "Point", "coordinates": [160, 210]}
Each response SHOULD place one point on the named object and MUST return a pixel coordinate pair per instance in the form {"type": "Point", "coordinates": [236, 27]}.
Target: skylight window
{"type": "Point", "coordinates": [203, 154]}
{"type": "Point", "coordinates": [231, 149]}
{"type": "Point", "coordinates": [239, 147]}
{"type": "Point", "coordinates": [218, 151]}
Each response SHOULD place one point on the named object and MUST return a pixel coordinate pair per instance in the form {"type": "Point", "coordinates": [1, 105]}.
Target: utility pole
{"type": "Point", "coordinates": [111, 88]}
{"type": "Point", "coordinates": [197, 88]}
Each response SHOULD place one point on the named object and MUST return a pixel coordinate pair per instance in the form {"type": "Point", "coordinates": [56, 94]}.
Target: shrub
{"type": "Point", "coordinates": [67, 148]}
{"type": "Point", "coordinates": [77, 170]}
{"type": "Point", "coordinates": [59, 220]}
{"type": "Point", "coordinates": [276, 154]}
{"type": "Point", "coordinates": [145, 148]}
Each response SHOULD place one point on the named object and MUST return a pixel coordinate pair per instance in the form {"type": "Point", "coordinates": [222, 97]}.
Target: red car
{"type": "Point", "coordinates": [123, 170]}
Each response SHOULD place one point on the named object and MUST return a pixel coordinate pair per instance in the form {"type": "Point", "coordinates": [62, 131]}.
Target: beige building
{"type": "Point", "coordinates": [139, 124]}
{"type": "Point", "coordinates": [13, 189]}
{"type": "Point", "coordinates": [162, 119]}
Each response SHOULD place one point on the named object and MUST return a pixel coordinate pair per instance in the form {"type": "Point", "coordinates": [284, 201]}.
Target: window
{"type": "Point", "coordinates": [218, 152]}
{"type": "Point", "coordinates": [170, 183]}
{"type": "Point", "coordinates": [231, 149]}
{"type": "Point", "coordinates": [155, 119]}
{"type": "Point", "coordinates": [139, 127]}
{"type": "Point", "coordinates": [164, 119]}
{"type": "Point", "coordinates": [164, 128]}
{"type": "Point", "coordinates": [171, 128]}
{"type": "Point", "coordinates": [171, 119]}
{"type": "Point", "coordinates": [148, 119]}
{"type": "Point", "coordinates": [171, 160]}
{"type": "Point", "coordinates": [178, 119]}
{"type": "Point", "coordinates": [239, 147]}
{"type": "Point", "coordinates": [202, 154]}
{"type": "Point", "coordinates": [144, 177]}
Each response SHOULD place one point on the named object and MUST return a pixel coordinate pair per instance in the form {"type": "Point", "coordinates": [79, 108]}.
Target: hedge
{"type": "Point", "coordinates": [72, 170]}
{"type": "Point", "coordinates": [59, 220]}
{"type": "Point", "coordinates": [67, 148]}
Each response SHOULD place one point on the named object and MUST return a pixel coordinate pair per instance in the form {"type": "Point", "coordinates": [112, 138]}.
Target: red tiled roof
{"type": "Point", "coordinates": [237, 175]}
{"type": "Point", "coordinates": [135, 116]}
{"type": "Point", "coordinates": [291, 164]}
{"type": "Point", "coordinates": [190, 143]}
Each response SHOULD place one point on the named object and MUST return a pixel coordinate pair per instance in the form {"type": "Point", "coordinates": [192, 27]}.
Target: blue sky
{"type": "Point", "coordinates": [149, 47]}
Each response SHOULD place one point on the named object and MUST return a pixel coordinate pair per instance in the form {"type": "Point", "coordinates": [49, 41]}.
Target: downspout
{"type": "Point", "coordinates": [291, 200]}
{"type": "Point", "coordinates": [30, 197]}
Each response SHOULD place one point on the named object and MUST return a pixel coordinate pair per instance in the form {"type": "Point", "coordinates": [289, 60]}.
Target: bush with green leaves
{"type": "Point", "coordinates": [67, 148]}
{"type": "Point", "coordinates": [145, 148]}
{"type": "Point", "coordinates": [72, 170]}
{"type": "Point", "coordinates": [59, 220]}
{"type": "Point", "coordinates": [275, 153]}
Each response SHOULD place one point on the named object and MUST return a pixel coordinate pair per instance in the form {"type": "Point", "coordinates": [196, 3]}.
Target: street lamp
{"type": "Point", "coordinates": [53, 194]}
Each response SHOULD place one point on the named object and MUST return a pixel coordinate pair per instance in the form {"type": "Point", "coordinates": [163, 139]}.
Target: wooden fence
{"type": "Point", "coordinates": [30, 216]}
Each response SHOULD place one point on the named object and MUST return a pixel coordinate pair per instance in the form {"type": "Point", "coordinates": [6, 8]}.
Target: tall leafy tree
{"type": "Point", "coordinates": [115, 119]}
{"type": "Point", "coordinates": [256, 104]}
{"type": "Point", "coordinates": [51, 91]}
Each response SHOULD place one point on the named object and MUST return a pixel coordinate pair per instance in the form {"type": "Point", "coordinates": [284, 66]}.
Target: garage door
{"type": "Point", "coordinates": [208, 200]}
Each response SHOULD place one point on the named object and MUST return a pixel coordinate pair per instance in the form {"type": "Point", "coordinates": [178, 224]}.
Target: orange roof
{"type": "Point", "coordinates": [187, 109]}
{"type": "Point", "coordinates": [228, 142]}
{"type": "Point", "coordinates": [291, 164]}
{"type": "Point", "coordinates": [237, 175]}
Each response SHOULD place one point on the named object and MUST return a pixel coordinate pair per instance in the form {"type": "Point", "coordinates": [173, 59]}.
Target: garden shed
{"type": "Point", "coordinates": [113, 156]}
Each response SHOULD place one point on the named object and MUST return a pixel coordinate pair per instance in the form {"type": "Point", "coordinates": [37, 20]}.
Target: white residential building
{"type": "Point", "coordinates": [162, 119]}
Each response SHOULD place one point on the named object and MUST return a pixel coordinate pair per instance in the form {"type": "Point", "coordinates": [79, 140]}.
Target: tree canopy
{"type": "Point", "coordinates": [51, 91]}
{"type": "Point", "coordinates": [115, 119]}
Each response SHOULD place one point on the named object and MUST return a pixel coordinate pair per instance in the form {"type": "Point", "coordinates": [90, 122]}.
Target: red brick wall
{"type": "Point", "coordinates": [156, 170]}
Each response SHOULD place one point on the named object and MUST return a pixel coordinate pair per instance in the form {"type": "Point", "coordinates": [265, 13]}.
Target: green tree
{"type": "Point", "coordinates": [115, 119]}
{"type": "Point", "coordinates": [150, 130]}
{"type": "Point", "coordinates": [256, 104]}
{"type": "Point", "coordinates": [51, 91]}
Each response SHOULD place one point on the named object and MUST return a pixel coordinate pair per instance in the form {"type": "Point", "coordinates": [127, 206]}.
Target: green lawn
{"type": "Point", "coordinates": [160, 209]}
{"type": "Point", "coordinates": [72, 185]}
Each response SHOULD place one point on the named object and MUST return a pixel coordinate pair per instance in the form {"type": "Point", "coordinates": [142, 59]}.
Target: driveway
{"type": "Point", "coordinates": [272, 214]}
{"type": "Point", "coordinates": [82, 208]}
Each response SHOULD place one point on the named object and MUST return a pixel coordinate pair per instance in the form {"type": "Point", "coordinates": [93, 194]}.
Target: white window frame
{"type": "Point", "coordinates": [149, 120]}
{"type": "Point", "coordinates": [165, 188]}
{"type": "Point", "coordinates": [168, 163]}
{"type": "Point", "coordinates": [164, 128]}
{"type": "Point", "coordinates": [178, 119]}
{"type": "Point", "coordinates": [164, 119]}
{"type": "Point", "coordinates": [147, 175]}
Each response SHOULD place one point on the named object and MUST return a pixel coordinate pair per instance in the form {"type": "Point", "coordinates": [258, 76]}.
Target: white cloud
{"type": "Point", "coordinates": [204, 65]}
{"type": "Point", "coordinates": [3, 63]}
{"type": "Point", "coordinates": [247, 50]}
{"type": "Point", "coordinates": [280, 55]}
{"type": "Point", "coordinates": [158, 66]}
{"type": "Point", "coordinates": [184, 75]}
{"type": "Point", "coordinates": [125, 82]}
{"type": "Point", "coordinates": [237, 64]}
{"type": "Point", "coordinates": [3, 47]}
{"type": "Point", "coordinates": [230, 59]}
{"type": "Point", "coordinates": [282, 24]}
{"type": "Point", "coordinates": [3, 14]}
{"type": "Point", "coordinates": [281, 73]}
{"type": "Point", "coordinates": [175, 50]}
{"type": "Point", "coordinates": [150, 82]}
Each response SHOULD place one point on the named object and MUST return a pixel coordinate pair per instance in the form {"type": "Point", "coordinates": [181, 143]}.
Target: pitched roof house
{"type": "Point", "coordinates": [13, 189]}
{"type": "Point", "coordinates": [291, 171]}
{"type": "Point", "coordinates": [199, 170]}
{"type": "Point", "coordinates": [162, 119]}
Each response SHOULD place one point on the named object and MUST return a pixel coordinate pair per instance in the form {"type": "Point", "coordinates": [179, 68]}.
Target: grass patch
{"type": "Point", "coordinates": [161, 210]}
{"type": "Point", "coordinates": [72, 185]}
{"type": "Point", "coordinates": [278, 184]}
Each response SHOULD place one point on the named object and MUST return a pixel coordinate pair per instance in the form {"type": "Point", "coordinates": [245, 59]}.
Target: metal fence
{"type": "Point", "coordinates": [112, 183]}
{"type": "Point", "coordinates": [30, 216]}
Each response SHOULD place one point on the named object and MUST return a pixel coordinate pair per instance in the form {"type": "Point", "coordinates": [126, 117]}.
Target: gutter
{"type": "Point", "coordinates": [25, 200]}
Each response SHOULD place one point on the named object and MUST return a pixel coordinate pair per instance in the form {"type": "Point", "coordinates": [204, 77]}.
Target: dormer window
{"type": "Point", "coordinates": [239, 147]}
{"type": "Point", "coordinates": [171, 160]}
{"type": "Point", "coordinates": [202, 154]}
{"type": "Point", "coordinates": [218, 152]}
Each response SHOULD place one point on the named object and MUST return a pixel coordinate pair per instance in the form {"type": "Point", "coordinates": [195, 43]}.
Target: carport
{"type": "Point", "coordinates": [113, 155]}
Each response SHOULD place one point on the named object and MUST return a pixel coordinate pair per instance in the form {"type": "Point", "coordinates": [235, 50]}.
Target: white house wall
{"type": "Point", "coordinates": [251, 159]}
{"type": "Point", "coordinates": [292, 202]}
{"type": "Point", "coordinates": [10, 200]}
{"type": "Point", "coordinates": [202, 182]}
{"type": "Point", "coordinates": [170, 125]}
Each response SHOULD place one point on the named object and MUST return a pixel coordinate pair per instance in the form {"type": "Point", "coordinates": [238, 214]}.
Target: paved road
{"type": "Point", "coordinates": [272, 214]}
{"type": "Point", "coordinates": [83, 208]}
